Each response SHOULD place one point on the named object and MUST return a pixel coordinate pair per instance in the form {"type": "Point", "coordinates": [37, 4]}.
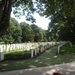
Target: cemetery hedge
{"type": "Point", "coordinates": [67, 49]}
{"type": "Point", "coordinates": [17, 55]}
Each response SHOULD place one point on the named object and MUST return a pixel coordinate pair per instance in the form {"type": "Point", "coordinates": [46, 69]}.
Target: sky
{"type": "Point", "coordinates": [40, 21]}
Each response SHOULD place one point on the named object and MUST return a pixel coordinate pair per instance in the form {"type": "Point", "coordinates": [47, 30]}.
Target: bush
{"type": "Point", "coordinates": [66, 49]}
{"type": "Point", "coordinates": [16, 55]}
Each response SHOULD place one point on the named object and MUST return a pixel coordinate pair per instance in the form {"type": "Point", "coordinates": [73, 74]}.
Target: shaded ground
{"type": "Point", "coordinates": [65, 69]}
{"type": "Point", "coordinates": [46, 59]}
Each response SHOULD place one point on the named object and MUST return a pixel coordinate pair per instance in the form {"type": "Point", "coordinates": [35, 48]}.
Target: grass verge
{"type": "Point", "coordinates": [46, 59]}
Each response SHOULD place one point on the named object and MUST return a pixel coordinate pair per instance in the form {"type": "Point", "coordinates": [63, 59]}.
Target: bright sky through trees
{"type": "Point", "coordinates": [40, 21]}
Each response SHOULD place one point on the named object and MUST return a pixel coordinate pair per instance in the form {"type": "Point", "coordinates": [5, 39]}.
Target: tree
{"type": "Point", "coordinates": [27, 32]}
{"type": "Point", "coordinates": [65, 33]}
{"type": "Point", "coordinates": [59, 11]}
{"type": "Point", "coordinates": [6, 8]}
{"type": "Point", "coordinates": [7, 36]}
{"type": "Point", "coordinates": [39, 33]}
{"type": "Point", "coordinates": [13, 33]}
{"type": "Point", "coordinates": [16, 30]}
{"type": "Point", "coordinates": [5, 11]}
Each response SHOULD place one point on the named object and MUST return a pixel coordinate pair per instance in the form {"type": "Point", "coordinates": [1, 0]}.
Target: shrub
{"type": "Point", "coordinates": [15, 55]}
{"type": "Point", "coordinates": [66, 49]}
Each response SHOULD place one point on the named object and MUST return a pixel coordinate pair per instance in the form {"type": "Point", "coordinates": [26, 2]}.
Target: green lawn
{"type": "Point", "coordinates": [46, 59]}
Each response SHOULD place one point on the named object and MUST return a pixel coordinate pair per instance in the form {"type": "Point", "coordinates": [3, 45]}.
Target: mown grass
{"type": "Point", "coordinates": [67, 49]}
{"type": "Point", "coordinates": [46, 59]}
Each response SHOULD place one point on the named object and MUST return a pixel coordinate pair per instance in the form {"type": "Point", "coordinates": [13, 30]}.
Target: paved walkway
{"type": "Point", "coordinates": [65, 69]}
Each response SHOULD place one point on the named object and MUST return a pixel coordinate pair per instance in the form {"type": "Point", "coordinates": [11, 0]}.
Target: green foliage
{"type": "Point", "coordinates": [13, 33]}
{"type": "Point", "coordinates": [27, 32]}
{"type": "Point", "coordinates": [23, 6]}
{"type": "Point", "coordinates": [1, 42]}
{"type": "Point", "coordinates": [66, 49]}
{"type": "Point", "coordinates": [20, 7]}
{"type": "Point", "coordinates": [13, 55]}
{"type": "Point", "coordinates": [23, 32]}
{"type": "Point", "coordinates": [59, 12]}
{"type": "Point", "coordinates": [39, 33]}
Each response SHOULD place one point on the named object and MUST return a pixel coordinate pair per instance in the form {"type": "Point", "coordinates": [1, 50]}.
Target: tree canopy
{"type": "Point", "coordinates": [23, 32]}
{"type": "Point", "coordinates": [60, 12]}
{"type": "Point", "coordinates": [6, 8]}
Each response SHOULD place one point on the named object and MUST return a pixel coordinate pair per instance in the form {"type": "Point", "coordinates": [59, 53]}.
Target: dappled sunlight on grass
{"type": "Point", "coordinates": [55, 56]}
{"type": "Point", "coordinates": [5, 64]}
{"type": "Point", "coordinates": [32, 66]}
{"type": "Point", "coordinates": [46, 59]}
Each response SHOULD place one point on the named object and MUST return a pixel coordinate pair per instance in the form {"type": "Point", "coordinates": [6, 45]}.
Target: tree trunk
{"type": "Point", "coordinates": [71, 23]}
{"type": "Point", "coordinates": [5, 18]}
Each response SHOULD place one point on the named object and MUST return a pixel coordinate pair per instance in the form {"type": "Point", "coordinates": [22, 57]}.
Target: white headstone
{"type": "Point", "coordinates": [1, 56]}
{"type": "Point", "coordinates": [1, 49]}
{"type": "Point", "coordinates": [32, 54]}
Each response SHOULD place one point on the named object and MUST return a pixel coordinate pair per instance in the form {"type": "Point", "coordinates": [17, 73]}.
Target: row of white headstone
{"type": "Point", "coordinates": [22, 46]}
{"type": "Point", "coordinates": [10, 47]}
{"type": "Point", "coordinates": [36, 51]}
{"type": "Point", "coordinates": [34, 47]}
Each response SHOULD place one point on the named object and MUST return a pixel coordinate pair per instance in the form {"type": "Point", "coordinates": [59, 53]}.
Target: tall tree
{"type": "Point", "coordinates": [16, 29]}
{"type": "Point", "coordinates": [39, 33]}
{"type": "Point", "coordinates": [27, 32]}
{"type": "Point", "coordinates": [6, 8]}
{"type": "Point", "coordinates": [59, 11]}
{"type": "Point", "coordinates": [13, 33]}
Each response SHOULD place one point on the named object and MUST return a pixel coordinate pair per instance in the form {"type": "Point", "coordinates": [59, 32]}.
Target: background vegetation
{"type": "Point", "coordinates": [23, 32]}
{"type": "Point", "coordinates": [61, 14]}
{"type": "Point", "coordinates": [67, 49]}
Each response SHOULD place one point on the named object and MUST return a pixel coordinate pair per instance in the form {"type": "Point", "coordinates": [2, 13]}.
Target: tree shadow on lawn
{"type": "Point", "coordinates": [46, 59]}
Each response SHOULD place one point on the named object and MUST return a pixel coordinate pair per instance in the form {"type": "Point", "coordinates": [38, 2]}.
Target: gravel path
{"type": "Point", "coordinates": [65, 69]}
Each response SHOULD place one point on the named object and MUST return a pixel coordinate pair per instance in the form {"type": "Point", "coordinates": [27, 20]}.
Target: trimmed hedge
{"type": "Point", "coordinates": [16, 55]}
